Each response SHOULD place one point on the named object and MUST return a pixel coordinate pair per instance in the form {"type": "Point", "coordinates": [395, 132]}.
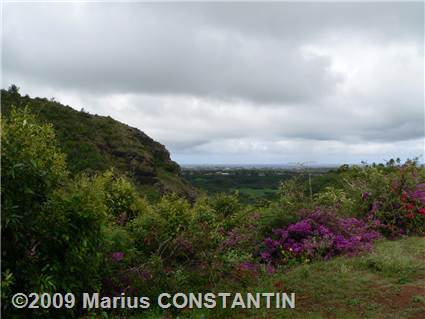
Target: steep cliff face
{"type": "Point", "coordinates": [96, 143]}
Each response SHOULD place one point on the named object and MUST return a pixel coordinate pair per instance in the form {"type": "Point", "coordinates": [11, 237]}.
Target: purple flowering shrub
{"type": "Point", "coordinates": [320, 235]}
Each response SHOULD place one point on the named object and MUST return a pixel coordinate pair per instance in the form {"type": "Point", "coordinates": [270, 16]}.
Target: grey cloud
{"type": "Point", "coordinates": [299, 21]}
{"type": "Point", "coordinates": [233, 82]}
{"type": "Point", "coordinates": [231, 51]}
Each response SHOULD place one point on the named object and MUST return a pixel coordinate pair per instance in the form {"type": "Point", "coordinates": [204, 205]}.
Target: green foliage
{"type": "Point", "coordinates": [332, 197]}
{"type": "Point", "coordinates": [275, 215]}
{"type": "Point", "coordinates": [13, 89]}
{"type": "Point", "coordinates": [32, 165]}
{"type": "Point", "coordinates": [122, 200]}
{"type": "Point", "coordinates": [292, 199]}
{"type": "Point", "coordinates": [50, 224]}
{"type": "Point", "coordinates": [72, 241]}
{"type": "Point", "coordinates": [225, 205]}
{"type": "Point", "coordinates": [292, 195]}
{"type": "Point", "coordinates": [32, 168]}
{"type": "Point", "coordinates": [93, 144]}
{"type": "Point", "coordinates": [383, 194]}
{"type": "Point", "coordinates": [177, 213]}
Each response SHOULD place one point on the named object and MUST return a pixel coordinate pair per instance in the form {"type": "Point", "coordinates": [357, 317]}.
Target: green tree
{"type": "Point", "coordinates": [51, 225]}
{"type": "Point", "coordinates": [13, 89]}
{"type": "Point", "coordinates": [32, 167]}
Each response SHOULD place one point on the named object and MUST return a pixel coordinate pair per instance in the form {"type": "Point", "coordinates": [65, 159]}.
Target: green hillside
{"type": "Point", "coordinates": [94, 143]}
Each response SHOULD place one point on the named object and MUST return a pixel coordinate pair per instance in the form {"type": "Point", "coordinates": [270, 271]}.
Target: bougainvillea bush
{"type": "Point", "coordinates": [320, 235]}
{"type": "Point", "coordinates": [400, 206]}
{"type": "Point", "coordinates": [392, 195]}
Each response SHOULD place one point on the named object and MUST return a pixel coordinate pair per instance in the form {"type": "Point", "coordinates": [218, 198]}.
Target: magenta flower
{"type": "Point", "coordinates": [266, 256]}
{"type": "Point", "coordinates": [418, 194]}
{"type": "Point", "coordinates": [320, 235]}
{"type": "Point", "coordinates": [117, 256]}
{"type": "Point", "coordinates": [301, 228]}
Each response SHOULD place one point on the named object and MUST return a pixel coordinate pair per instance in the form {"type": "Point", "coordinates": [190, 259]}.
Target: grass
{"type": "Point", "coordinates": [386, 283]}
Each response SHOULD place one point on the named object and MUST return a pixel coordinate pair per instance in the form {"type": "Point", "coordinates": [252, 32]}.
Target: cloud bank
{"type": "Point", "coordinates": [233, 82]}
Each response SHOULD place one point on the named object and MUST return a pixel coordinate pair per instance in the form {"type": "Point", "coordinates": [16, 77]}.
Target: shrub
{"type": "Point", "coordinates": [32, 168]}
{"type": "Point", "coordinates": [51, 225]}
{"type": "Point", "coordinates": [320, 235]}
{"type": "Point", "coordinates": [276, 216]}
{"type": "Point", "coordinates": [292, 196]}
{"type": "Point", "coordinates": [335, 198]}
{"type": "Point", "coordinates": [121, 197]}
{"type": "Point", "coordinates": [71, 242]}
{"type": "Point", "coordinates": [400, 207]}
{"type": "Point", "coordinates": [286, 210]}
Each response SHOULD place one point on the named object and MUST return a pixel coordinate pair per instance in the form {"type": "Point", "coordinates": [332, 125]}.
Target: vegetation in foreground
{"type": "Point", "coordinates": [64, 232]}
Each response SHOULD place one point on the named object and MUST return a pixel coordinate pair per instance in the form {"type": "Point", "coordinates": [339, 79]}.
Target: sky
{"type": "Point", "coordinates": [233, 83]}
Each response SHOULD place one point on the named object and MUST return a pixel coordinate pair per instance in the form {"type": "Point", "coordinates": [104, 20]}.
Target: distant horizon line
{"type": "Point", "coordinates": [298, 164]}
{"type": "Point", "coordinates": [272, 165]}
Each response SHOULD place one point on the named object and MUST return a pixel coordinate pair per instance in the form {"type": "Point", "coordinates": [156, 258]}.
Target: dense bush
{"type": "Point", "coordinates": [51, 225]}
{"type": "Point", "coordinates": [71, 244]}
{"type": "Point", "coordinates": [391, 196]}
{"type": "Point", "coordinates": [32, 167]}
{"type": "Point", "coordinates": [321, 235]}
{"type": "Point", "coordinates": [122, 200]}
{"type": "Point", "coordinates": [402, 209]}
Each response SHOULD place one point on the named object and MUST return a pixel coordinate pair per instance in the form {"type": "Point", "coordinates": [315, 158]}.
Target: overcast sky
{"type": "Point", "coordinates": [233, 82]}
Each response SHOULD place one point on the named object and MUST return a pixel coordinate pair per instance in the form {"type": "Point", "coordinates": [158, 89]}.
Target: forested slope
{"type": "Point", "coordinates": [94, 143]}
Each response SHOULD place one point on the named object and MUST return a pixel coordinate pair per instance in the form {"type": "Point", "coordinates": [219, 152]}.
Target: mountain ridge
{"type": "Point", "coordinates": [95, 143]}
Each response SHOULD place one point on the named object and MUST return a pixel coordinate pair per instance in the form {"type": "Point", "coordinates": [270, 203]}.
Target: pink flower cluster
{"type": "Point", "coordinates": [320, 235]}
